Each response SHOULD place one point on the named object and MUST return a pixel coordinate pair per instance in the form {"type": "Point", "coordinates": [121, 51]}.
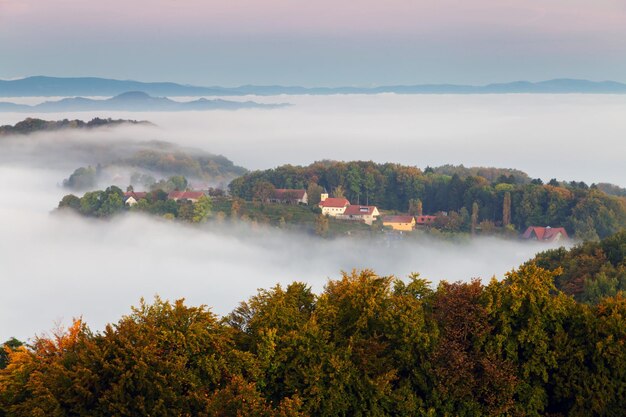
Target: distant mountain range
{"type": "Point", "coordinates": [89, 86]}
{"type": "Point", "coordinates": [131, 101]}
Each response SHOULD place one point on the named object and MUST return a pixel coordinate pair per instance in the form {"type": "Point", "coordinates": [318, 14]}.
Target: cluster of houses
{"type": "Point", "coordinates": [132, 197]}
{"type": "Point", "coordinates": [341, 208]}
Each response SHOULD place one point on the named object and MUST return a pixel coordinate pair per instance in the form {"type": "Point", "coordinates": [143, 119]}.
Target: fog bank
{"type": "Point", "coordinates": [566, 136]}
{"type": "Point", "coordinates": [55, 267]}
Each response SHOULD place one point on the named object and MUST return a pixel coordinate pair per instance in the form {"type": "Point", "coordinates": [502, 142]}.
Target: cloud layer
{"type": "Point", "coordinates": [55, 267]}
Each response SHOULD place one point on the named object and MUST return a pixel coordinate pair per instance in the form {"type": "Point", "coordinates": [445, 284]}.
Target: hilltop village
{"type": "Point", "coordinates": [363, 198]}
{"type": "Point", "coordinates": [340, 208]}
{"type": "Point", "coordinates": [329, 216]}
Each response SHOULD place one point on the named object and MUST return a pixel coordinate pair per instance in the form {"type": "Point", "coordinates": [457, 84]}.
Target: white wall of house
{"type": "Point", "coordinates": [333, 211]}
{"type": "Point", "coordinates": [368, 219]}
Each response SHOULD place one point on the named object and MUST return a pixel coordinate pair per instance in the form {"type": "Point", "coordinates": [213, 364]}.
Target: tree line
{"type": "Point", "coordinates": [585, 211]}
{"type": "Point", "coordinates": [367, 345]}
{"type": "Point", "coordinates": [110, 202]}
{"type": "Point", "coordinates": [31, 125]}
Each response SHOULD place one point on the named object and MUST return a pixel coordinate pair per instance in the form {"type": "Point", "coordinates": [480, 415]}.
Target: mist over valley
{"type": "Point", "coordinates": [77, 266]}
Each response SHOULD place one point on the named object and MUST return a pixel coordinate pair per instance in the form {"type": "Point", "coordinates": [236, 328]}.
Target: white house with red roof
{"type": "Point", "coordinates": [545, 234]}
{"type": "Point", "coordinates": [365, 214]}
{"type": "Point", "coordinates": [333, 206]}
{"type": "Point", "coordinates": [131, 197]}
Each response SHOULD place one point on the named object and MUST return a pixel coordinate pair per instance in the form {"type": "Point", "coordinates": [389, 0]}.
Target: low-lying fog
{"type": "Point", "coordinates": [568, 136]}
{"type": "Point", "coordinates": [55, 267]}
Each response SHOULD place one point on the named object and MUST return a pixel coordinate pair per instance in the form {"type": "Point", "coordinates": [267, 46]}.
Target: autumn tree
{"type": "Point", "coordinates": [263, 191]}
{"type": "Point", "coordinates": [235, 208]}
{"type": "Point", "coordinates": [339, 192]}
{"type": "Point", "coordinates": [321, 225]}
{"type": "Point", "coordinates": [470, 379]}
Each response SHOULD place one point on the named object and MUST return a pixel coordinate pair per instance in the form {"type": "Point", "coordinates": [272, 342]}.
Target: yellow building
{"type": "Point", "coordinates": [402, 223]}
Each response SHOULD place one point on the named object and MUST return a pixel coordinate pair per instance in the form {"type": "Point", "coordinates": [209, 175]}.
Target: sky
{"type": "Point", "coordinates": [325, 42]}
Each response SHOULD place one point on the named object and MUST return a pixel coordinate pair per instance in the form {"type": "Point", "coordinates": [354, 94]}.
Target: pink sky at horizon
{"type": "Point", "coordinates": [324, 42]}
{"type": "Point", "coordinates": [321, 16]}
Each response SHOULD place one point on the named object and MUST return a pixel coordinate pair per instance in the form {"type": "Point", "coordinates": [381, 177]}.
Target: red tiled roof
{"type": "Point", "coordinates": [136, 195]}
{"type": "Point", "coordinates": [425, 219]}
{"type": "Point", "coordinates": [546, 234]}
{"type": "Point", "coordinates": [286, 193]}
{"type": "Point", "coordinates": [357, 210]}
{"type": "Point", "coordinates": [398, 219]}
{"type": "Point", "coordinates": [335, 202]}
{"type": "Point", "coordinates": [182, 195]}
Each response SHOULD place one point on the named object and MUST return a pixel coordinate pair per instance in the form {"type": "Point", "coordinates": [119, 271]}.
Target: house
{"type": "Point", "coordinates": [403, 223]}
{"type": "Point", "coordinates": [131, 197]}
{"type": "Point", "coordinates": [425, 220]}
{"type": "Point", "coordinates": [545, 234]}
{"type": "Point", "coordinates": [192, 196]}
{"type": "Point", "coordinates": [365, 214]}
{"type": "Point", "coordinates": [333, 206]}
{"type": "Point", "coordinates": [289, 196]}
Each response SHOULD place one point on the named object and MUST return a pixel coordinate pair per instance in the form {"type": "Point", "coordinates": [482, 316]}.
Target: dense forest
{"type": "Point", "coordinates": [591, 270]}
{"type": "Point", "coordinates": [368, 345]}
{"type": "Point", "coordinates": [585, 211]}
{"type": "Point", "coordinates": [31, 125]}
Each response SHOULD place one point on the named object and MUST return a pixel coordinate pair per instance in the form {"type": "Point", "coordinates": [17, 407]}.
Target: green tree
{"type": "Point", "coordinates": [506, 209]}
{"type": "Point", "coordinates": [83, 178]}
{"type": "Point", "coordinates": [314, 193]}
{"type": "Point", "coordinates": [186, 211]}
{"type": "Point", "coordinates": [528, 316]}
{"type": "Point", "coordinates": [202, 209]}
{"type": "Point", "coordinates": [70, 201]}
{"type": "Point", "coordinates": [111, 202]}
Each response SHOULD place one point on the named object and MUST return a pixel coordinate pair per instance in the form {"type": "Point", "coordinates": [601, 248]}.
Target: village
{"type": "Point", "coordinates": [340, 208]}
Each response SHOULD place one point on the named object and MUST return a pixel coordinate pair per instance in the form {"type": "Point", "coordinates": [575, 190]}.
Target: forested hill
{"type": "Point", "coordinates": [590, 271]}
{"type": "Point", "coordinates": [31, 125]}
{"type": "Point", "coordinates": [585, 211]}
